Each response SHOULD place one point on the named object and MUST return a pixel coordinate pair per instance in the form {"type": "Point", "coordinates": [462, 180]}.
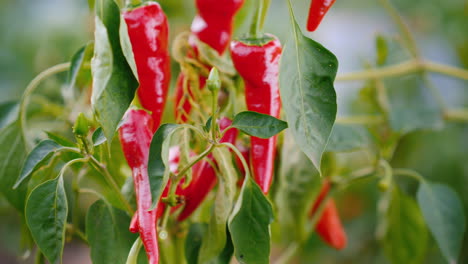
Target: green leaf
{"type": "Point", "coordinates": [406, 233]}
{"type": "Point", "coordinates": [382, 49]}
{"type": "Point", "coordinates": [307, 74]}
{"type": "Point", "coordinates": [215, 238]}
{"type": "Point", "coordinates": [298, 183]}
{"type": "Point", "coordinates": [11, 161]}
{"type": "Point", "coordinates": [249, 225]}
{"type": "Point", "coordinates": [158, 160]}
{"type": "Point", "coordinates": [258, 125]}
{"type": "Point", "coordinates": [444, 215]}
{"type": "Point", "coordinates": [127, 46]}
{"type": "Point", "coordinates": [8, 113]}
{"type": "Point", "coordinates": [348, 138]}
{"type": "Point", "coordinates": [46, 216]}
{"type": "Point", "coordinates": [77, 68]}
{"type": "Point", "coordinates": [38, 158]}
{"type": "Point", "coordinates": [60, 139]}
{"type": "Point", "coordinates": [107, 233]}
{"type": "Point", "coordinates": [114, 84]}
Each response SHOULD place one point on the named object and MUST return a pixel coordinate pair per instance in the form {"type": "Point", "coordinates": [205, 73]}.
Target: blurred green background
{"type": "Point", "coordinates": [35, 35]}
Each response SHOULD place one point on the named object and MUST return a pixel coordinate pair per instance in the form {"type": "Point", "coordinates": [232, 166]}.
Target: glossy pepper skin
{"type": "Point", "coordinates": [135, 137]}
{"type": "Point", "coordinates": [203, 176]}
{"type": "Point", "coordinates": [329, 226]}
{"type": "Point", "coordinates": [258, 65]}
{"type": "Point", "coordinates": [318, 9]}
{"type": "Point", "coordinates": [213, 26]}
{"type": "Point", "coordinates": [148, 31]}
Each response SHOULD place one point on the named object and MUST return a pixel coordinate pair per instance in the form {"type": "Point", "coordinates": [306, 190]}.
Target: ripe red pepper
{"type": "Point", "coordinates": [329, 226]}
{"type": "Point", "coordinates": [148, 31]}
{"type": "Point", "coordinates": [258, 65]}
{"type": "Point", "coordinates": [203, 176]}
{"type": "Point", "coordinates": [318, 9]}
{"type": "Point", "coordinates": [135, 136]}
{"type": "Point", "coordinates": [213, 26]}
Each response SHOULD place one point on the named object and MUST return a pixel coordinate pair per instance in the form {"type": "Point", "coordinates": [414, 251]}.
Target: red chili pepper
{"type": "Point", "coordinates": [203, 176]}
{"type": "Point", "coordinates": [259, 67]}
{"type": "Point", "coordinates": [329, 226]}
{"type": "Point", "coordinates": [148, 31]}
{"type": "Point", "coordinates": [213, 26]}
{"type": "Point", "coordinates": [318, 9]}
{"type": "Point", "coordinates": [135, 136]}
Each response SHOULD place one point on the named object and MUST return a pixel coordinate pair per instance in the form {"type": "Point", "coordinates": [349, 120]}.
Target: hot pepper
{"type": "Point", "coordinates": [258, 65]}
{"type": "Point", "coordinates": [213, 26]}
{"type": "Point", "coordinates": [329, 226]}
{"type": "Point", "coordinates": [318, 9]}
{"type": "Point", "coordinates": [148, 32]}
{"type": "Point", "coordinates": [135, 136]}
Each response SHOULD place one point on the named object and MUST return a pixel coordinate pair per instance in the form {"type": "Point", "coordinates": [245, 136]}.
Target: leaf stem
{"type": "Point", "coordinates": [404, 68]}
{"type": "Point", "coordinates": [104, 172]}
{"type": "Point", "coordinates": [32, 86]}
{"type": "Point", "coordinates": [193, 162]}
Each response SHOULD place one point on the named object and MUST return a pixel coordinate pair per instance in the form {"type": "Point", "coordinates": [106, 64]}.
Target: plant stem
{"type": "Point", "coordinates": [410, 42]}
{"type": "Point", "coordinates": [103, 170]}
{"type": "Point", "coordinates": [409, 173]}
{"type": "Point", "coordinates": [31, 87]}
{"type": "Point", "coordinates": [240, 156]}
{"type": "Point", "coordinates": [456, 115]}
{"type": "Point", "coordinates": [255, 27]}
{"type": "Point", "coordinates": [195, 161]}
{"type": "Point", "coordinates": [404, 68]}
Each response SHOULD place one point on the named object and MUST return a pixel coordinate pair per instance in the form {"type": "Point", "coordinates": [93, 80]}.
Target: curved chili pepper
{"type": "Point", "coordinates": [329, 226]}
{"type": "Point", "coordinates": [213, 26]}
{"type": "Point", "coordinates": [203, 176]}
{"type": "Point", "coordinates": [135, 136]}
{"type": "Point", "coordinates": [318, 9]}
{"type": "Point", "coordinates": [148, 31]}
{"type": "Point", "coordinates": [258, 65]}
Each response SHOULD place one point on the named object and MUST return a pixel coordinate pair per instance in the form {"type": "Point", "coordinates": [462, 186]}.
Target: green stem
{"type": "Point", "coordinates": [240, 156]}
{"type": "Point", "coordinates": [134, 251]}
{"type": "Point", "coordinates": [132, 3]}
{"type": "Point", "coordinates": [255, 27]}
{"type": "Point", "coordinates": [215, 116]}
{"type": "Point", "coordinates": [195, 161]}
{"type": "Point", "coordinates": [405, 68]}
{"type": "Point", "coordinates": [266, 6]}
{"type": "Point", "coordinates": [104, 172]}
{"type": "Point", "coordinates": [31, 87]}
{"type": "Point", "coordinates": [409, 173]}
{"type": "Point", "coordinates": [456, 115]}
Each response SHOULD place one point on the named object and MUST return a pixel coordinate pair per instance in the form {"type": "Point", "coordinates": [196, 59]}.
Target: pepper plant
{"type": "Point", "coordinates": [242, 161]}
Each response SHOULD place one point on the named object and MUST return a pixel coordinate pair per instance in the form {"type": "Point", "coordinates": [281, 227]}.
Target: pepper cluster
{"type": "Point", "coordinates": [256, 60]}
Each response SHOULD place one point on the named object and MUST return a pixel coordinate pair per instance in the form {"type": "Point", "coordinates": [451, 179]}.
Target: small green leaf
{"type": "Point", "coordinates": [98, 137]}
{"type": "Point", "coordinates": [11, 161]}
{"type": "Point", "coordinates": [307, 74]}
{"type": "Point", "coordinates": [79, 67]}
{"type": "Point", "coordinates": [249, 225]}
{"type": "Point", "coordinates": [46, 216]}
{"type": "Point", "coordinates": [158, 160]}
{"type": "Point", "coordinates": [406, 234]}
{"type": "Point", "coordinates": [207, 125]}
{"type": "Point", "coordinates": [258, 125]}
{"type": "Point", "coordinates": [348, 138]}
{"type": "Point", "coordinates": [38, 158]}
{"type": "Point", "coordinates": [444, 215]}
{"type": "Point", "coordinates": [8, 113]}
{"type": "Point", "coordinates": [60, 139]}
{"type": "Point", "coordinates": [107, 233]}
{"type": "Point", "coordinates": [114, 84]}
{"type": "Point", "coordinates": [215, 238]}
{"type": "Point", "coordinates": [382, 49]}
